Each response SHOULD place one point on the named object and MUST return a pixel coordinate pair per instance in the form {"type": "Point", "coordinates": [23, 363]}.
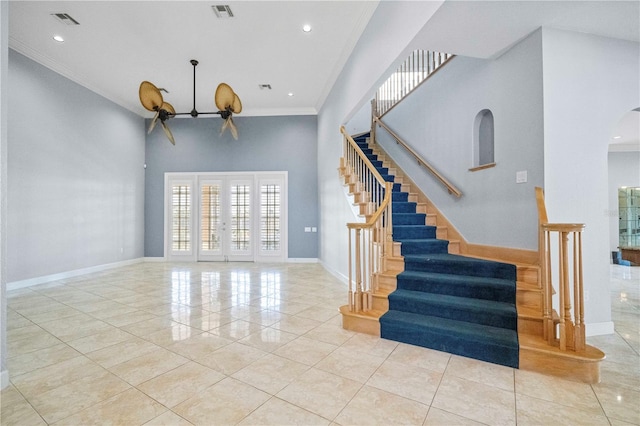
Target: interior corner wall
{"type": "Point", "coordinates": [278, 143]}
{"type": "Point", "coordinates": [624, 170]}
{"type": "Point", "coordinates": [437, 121]}
{"type": "Point", "coordinates": [4, 58]}
{"type": "Point", "coordinates": [75, 176]}
{"type": "Point", "coordinates": [590, 82]}
{"type": "Point", "coordinates": [390, 30]}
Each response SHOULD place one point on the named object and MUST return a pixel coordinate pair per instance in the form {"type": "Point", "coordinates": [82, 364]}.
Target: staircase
{"type": "Point", "coordinates": [487, 304]}
{"type": "Point", "coordinates": [446, 301]}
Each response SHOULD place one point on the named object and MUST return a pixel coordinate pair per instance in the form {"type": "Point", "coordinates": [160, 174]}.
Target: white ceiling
{"type": "Point", "coordinates": [118, 44]}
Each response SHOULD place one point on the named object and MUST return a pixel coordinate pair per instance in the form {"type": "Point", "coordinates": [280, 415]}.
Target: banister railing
{"type": "Point", "coordinates": [367, 240]}
{"type": "Point", "coordinates": [448, 185]}
{"type": "Point", "coordinates": [416, 69]}
{"type": "Point", "coordinates": [568, 310]}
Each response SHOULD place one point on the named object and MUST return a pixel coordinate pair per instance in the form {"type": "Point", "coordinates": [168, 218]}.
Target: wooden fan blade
{"type": "Point", "coordinates": [233, 128]}
{"type": "Point", "coordinates": [168, 107]}
{"type": "Point", "coordinates": [224, 96]}
{"type": "Point", "coordinates": [225, 124]}
{"type": "Point", "coordinates": [236, 107]}
{"type": "Point", "coordinates": [150, 96]}
{"type": "Point", "coordinates": [153, 122]}
{"type": "Point", "coordinates": [167, 132]}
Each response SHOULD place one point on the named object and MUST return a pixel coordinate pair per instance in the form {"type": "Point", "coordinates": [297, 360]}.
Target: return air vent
{"type": "Point", "coordinates": [264, 86]}
{"type": "Point", "coordinates": [65, 18]}
{"type": "Point", "coordinates": [222, 11]}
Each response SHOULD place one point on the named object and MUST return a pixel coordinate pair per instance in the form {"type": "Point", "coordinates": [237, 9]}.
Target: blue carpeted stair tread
{"type": "Point", "coordinates": [458, 285]}
{"type": "Point", "coordinates": [480, 311]}
{"type": "Point", "coordinates": [423, 246]}
{"type": "Point", "coordinates": [456, 264]}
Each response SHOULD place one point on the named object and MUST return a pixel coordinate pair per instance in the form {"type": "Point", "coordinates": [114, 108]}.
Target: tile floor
{"type": "Point", "coordinates": [254, 344]}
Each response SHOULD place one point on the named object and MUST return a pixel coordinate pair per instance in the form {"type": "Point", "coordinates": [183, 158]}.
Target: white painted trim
{"type": "Point", "coordinates": [15, 285]}
{"type": "Point", "coordinates": [343, 278]}
{"type": "Point", "coordinates": [302, 260]}
{"type": "Point", "coordinates": [4, 379]}
{"type": "Point", "coordinates": [599, 328]}
{"type": "Point", "coordinates": [155, 259]}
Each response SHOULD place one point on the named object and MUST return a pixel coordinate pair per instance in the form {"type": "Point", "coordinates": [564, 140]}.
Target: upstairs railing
{"type": "Point", "coordinates": [367, 241]}
{"type": "Point", "coordinates": [563, 240]}
{"type": "Point", "coordinates": [448, 185]}
{"type": "Point", "coordinates": [418, 67]}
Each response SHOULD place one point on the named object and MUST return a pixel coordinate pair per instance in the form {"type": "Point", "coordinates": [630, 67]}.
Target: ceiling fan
{"type": "Point", "coordinates": [226, 100]}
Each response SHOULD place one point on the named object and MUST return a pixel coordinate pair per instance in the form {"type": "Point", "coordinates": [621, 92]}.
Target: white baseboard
{"type": "Point", "coordinates": [154, 259]}
{"type": "Point", "coordinates": [4, 379]}
{"type": "Point", "coordinates": [302, 260]}
{"type": "Point", "coordinates": [599, 328]}
{"type": "Point", "coordinates": [342, 278]}
{"type": "Point", "coordinates": [15, 285]}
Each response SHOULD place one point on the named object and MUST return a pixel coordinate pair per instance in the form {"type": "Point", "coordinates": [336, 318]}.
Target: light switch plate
{"type": "Point", "coordinates": [521, 177]}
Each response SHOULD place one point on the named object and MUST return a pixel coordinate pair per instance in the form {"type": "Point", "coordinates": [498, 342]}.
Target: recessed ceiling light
{"type": "Point", "coordinates": [58, 38]}
{"type": "Point", "coordinates": [617, 137]}
{"type": "Point", "coordinates": [306, 28]}
{"type": "Point", "coordinates": [290, 93]}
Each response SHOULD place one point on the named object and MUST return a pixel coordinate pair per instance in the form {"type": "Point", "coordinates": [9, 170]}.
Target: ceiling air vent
{"type": "Point", "coordinates": [264, 86]}
{"type": "Point", "coordinates": [65, 18]}
{"type": "Point", "coordinates": [222, 11]}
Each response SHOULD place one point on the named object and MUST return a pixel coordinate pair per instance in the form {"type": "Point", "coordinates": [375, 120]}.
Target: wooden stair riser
{"type": "Point", "coordinates": [529, 298]}
{"type": "Point", "coordinates": [528, 274]}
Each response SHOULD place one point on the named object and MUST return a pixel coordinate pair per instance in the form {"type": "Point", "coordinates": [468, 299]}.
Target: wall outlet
{"type": "Point", "coordinates": [521, 176]}
{"type": "Point", "coordinates": [307, 229]}
{"type": "Point", "coordinates": [314, 229]}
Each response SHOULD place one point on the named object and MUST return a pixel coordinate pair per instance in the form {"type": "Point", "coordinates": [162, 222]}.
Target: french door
{"type": "Point", "coordinates": [226, 217]}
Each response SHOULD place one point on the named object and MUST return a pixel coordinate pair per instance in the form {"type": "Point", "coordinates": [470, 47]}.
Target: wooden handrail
{"type": "Point", "coordinates": [448, 185]}
{"type": "Point", "coordinates": [570, 334]}
{"type": "Point", "coordinates": [367, 240]}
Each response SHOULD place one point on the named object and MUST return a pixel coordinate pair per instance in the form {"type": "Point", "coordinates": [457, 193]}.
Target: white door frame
{"type": "Point", "coordinates": [259, 179]}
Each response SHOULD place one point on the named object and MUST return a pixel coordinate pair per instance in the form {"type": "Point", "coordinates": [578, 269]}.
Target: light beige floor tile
{"type": "Point", "coordinates": [373, 406]}
{"type": "Point", "coordinates": [320, 392]}
{"type": "Point", "coordinates": [330, 333]}
{"type": "Point", "coordinates": [416, 383]}
{"type": "Point", "coordinates": [75, 327]}
{"type": "Point", "coordinates": [265, 317]}
{"type": "Point", "coordinates": [473, 400]}
{"type": "Point", "coordinates": [619, 402]}
{"type": "Point", "coordinates": [420, 357]}
{"type": "Point", "coordinates": [130, 407]}
{"type": "Point", "coordinates": [268, 339]}
{"type": "Point", "coordinates": [271, 373]}
{"type": "Point", "coordinates": [24, 346]}
{"type": "Point", "coordinates": [236, 330]}
{"type": "Point", "coordinates": [148, 366]}
{"type": "Point", "coordinates": [146, 327]}
{"type": "Point", "coordinates": [100, 340]}
{"type": "Point", "coordinates": [48, 378]}
{"type": "Point", "coordinates": [123, 351]}
{"type": "Point", "coordinates": [226, 402]}
{"type": "Point", "coordinates": [534, 411]}
{"type": "Point", "coordinates": [278, 412]}
{"type": "Point", "coordinates": [199, 345]}
{"type": "Point", "coordinates": [180, 384]}
{"type": "Point", "coordinates": [438, 417]}
{"type": "Point", "coordinates": [31, 361]}
{"type": "Point", "coordinates": [370, 344]}
{"type": "Point", "coordinates": [350, 364]}
{"type": "Point", "coordinates": [295, 324]}
{"type": "Point", "coordinates": [28, 332]}
{"type": "Point", "coordinates": [304, 350]}
{"type": "Point", "coordinates": [553, 389]}
{"type": "Point", "coordinates": [173, 334]}
{"type": "Point", "coordinates": [127, 316]}
{"type": "Point", "coordinates": [319, 313]}
{"type": "Point", "coordinates": [482, 372]}
{"type": "Point", "coordinates": [72, 397]}
{"type": "Point", "coordinates": [231, 358]}
{"type": "Point", "coordinates": [16, 411]}
{"type": "Point", "coordinates": [620, 374]}
{"type": "Point", "coordinates": [168, 418]}
{"type": "Point", "coordinates": [15, 320]}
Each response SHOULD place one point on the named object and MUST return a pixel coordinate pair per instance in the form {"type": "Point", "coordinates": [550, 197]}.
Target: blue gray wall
{"type": "Point", "coordinates": [75, 176]}
{"type": "Point", "coordinates": [437, 121]}
{"type": "Point", "coordinates": [279, 143]}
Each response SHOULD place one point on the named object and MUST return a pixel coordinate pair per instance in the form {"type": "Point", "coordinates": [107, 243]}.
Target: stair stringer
{"type": "Point", "coordinates": [535, 353]}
